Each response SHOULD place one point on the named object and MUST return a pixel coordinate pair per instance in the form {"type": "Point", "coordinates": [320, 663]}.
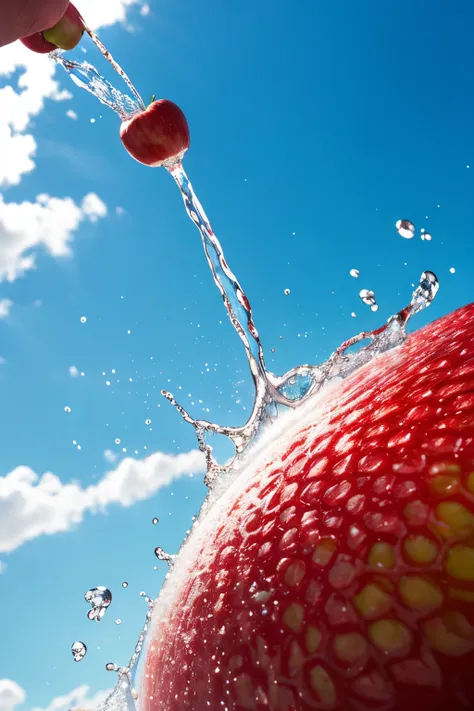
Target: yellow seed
{"type": "Point", "coordinates": [458, 520]}
{"type": "Point", "coordinates": [372, 602]}
{"type": "Point", "coordinates": [420, 549]}
{"type": "Point", "coordinates": [295, 573]}
{"type": "Point", "coordinates": [419, 593]}
{"type": "Point", "coordinates": [293, 616]}
{"type": "Point", "coordinates": [443, 485]}
{"type": "Point", "coordinates": [350, 647]}
{"type": "Point", "coordinates": [382, 555]}
{"type": "Point", "coordinates": [460, 562]}
{"type": "Point", "coordinates": [324, 551]}
{"type": "Point", "coordinates": [323, 685]}
{"type": "Point", "coordinates": [446, 468]}
{"type": "Point", "coordinates": [390, 636]}
{"type": "Point", "coordinates": [313, 639]}
{"type": "Point", "coordinates": [458, 594]}
{"type": "Point", "coordinates": [470, 482]}
{"type": "Point", "coordinates": [445, 637]}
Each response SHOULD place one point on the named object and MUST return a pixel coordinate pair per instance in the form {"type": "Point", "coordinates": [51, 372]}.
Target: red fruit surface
{"type": "Point", "coordinates": [337, 571]}
{"type": "Point", "coordinates": [157, 134]}
{"type": "Point", "coordinates": [66, 34]}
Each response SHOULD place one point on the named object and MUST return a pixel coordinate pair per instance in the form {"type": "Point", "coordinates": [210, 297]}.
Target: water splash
{"type": "Point", "coordinates": [79, 651]}
{"type": "Point", "coordinates": [291, 390]}
{"type": "Point", "coordinates": [99, 598]}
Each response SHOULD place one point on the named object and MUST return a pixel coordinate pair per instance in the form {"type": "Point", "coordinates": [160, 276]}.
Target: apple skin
{"type": "Point", "coordinates": [66, 34]}
{"type": "Point", "coordinates": [157, 134]}
{"type": "Point", "coordinates": [335, 572]}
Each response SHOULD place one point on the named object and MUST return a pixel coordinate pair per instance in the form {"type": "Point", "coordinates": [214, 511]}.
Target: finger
{"type": "Point", "coordinates": [25, 17]}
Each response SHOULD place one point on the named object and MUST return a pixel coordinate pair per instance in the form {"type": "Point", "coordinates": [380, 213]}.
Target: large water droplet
{"type": "Point", "coordinates": [354, 273]}
{"type": "Point", "coordinates": [100, 599]}
{"type": "Point", "coordinates": [287, 292]}
{"type": "Point", "coordinates": [405, 228]}
{"type": "Point", "coordinates": [79, 651]}
{"type": "Point", "coordinates": [426, 236]}
{"type": "Point", "coordinates": [368, 298]}
{"type": "Point", "coordinates": [83, 319]}
{"type": "Point", "coordinates": [155, 521]}
{"type": "Point", "coordinates": [148, 422]}
{"type": "Point", "coordinates": [125, 584]}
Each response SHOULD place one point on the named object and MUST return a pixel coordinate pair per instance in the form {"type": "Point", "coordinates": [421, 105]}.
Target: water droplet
{"type": "Point", "coordinates": [452, 270]}
{"type": "Point", "coordinates": [155, 521]}
{"type": "Point", "coordinates": [162, 555]}
{"type": "Point", "coordinates": [67, 409]}
{"type": "Point", "coordinates": [118, 622]}
{"type": "Point", "coordinates": [426, 236]}
{"type": "Point", "coordinates": [148, 422]}
{"type": "Point", "coordinates": [110, 666]}
{"type": "Point", "coordinates": [125, 584]}
{"type": "Point", "coordinates": [83, 319]}
{"type": "Point", "coordinates": [405, 229]}
{"type": "Point", "coordinates": [79, 651]}
{"type": "Point", "coordinates": [368, 297]}
{"type": "Point", "coordinates": [100, 599]}
{"type": "Point", "coordinates": [354, 273]}
{"type": "Point", "coordinates": [117, 441]}
{"type": "Point", "coordinates": [287, 292]}
{"type": "Point", "coordinates": [374, 307]}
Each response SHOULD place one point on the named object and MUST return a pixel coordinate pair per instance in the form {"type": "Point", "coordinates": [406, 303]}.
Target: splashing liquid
{"type": "Point", "coordinates": [273, 394]}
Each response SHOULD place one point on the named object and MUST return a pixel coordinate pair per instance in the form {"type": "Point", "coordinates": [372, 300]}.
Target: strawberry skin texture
{"type": "Point", "coordinates": [338, 572]}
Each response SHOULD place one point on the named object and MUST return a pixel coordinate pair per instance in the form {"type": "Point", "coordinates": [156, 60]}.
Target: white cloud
{"type": "Point", "coordinates": [110, 456]}
{"type": "Point", "coordinates": [79, 698]}
{"type": "Point", "coordinates": [5, 306]}
{"type": "Point", "coordinates": [33, 505]}
{"type": "Point", "coordinates": [145, 10]}
{"type": "Point", "coordinates": [49, 223]}
{"type": "Point", "coordinates": [73, 371]}
{"type": "Point", "coordinates": [71, 114]}
{"type": "Point", "coordinates": [93, 207]}
{"type": "Point", "coordinates": [11, 695]}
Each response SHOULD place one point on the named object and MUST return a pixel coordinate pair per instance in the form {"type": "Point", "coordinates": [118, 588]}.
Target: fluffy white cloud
{"type": "Point", "coordinates": [79, 698]}
{"type": "Point", "coordinates": [71, 114]}
{"type": "Point", "coordinates": [11, 695]}
{"type": "Point", "coordinates": [36, 83]}
{"type": "Point", "coordinates": [33, 505]}
{"type": "Point", "coordinates": [5, 306]}
{"type": "Point", "coordinates": [48, 223]}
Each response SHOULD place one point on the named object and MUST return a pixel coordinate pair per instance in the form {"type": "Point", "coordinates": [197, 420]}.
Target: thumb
{"type": "Point", "coordinates": [25, 17]}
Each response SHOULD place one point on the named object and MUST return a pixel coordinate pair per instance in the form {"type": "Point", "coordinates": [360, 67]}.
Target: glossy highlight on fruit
{"type": "Point", "coordinates": [337, 570]}
{"type": "Point", "coordinates": [66, 34]}
{"type": "Point", "coordinates": [157, 134]}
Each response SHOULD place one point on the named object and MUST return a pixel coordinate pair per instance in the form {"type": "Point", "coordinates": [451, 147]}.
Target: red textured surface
{"type": "Point", "coordinates": [387, 461]}
{"type": "Point", "coordinates": [157, 134]}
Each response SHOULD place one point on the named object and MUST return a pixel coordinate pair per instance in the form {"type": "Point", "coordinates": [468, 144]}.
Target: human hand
{"type": "Point", "coordinates": [25, 17]}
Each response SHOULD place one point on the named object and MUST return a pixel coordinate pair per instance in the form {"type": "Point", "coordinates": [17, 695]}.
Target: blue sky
{"type": "Point", "coordinates": [315, 126]}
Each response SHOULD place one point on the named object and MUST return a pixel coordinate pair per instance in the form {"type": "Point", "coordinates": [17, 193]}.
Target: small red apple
{"type": "Point", "coordinates": [157, 134]}
{"type": "Point", "coordinates": [66, 34]}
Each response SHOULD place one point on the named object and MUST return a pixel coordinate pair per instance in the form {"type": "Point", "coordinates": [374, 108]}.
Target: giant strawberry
{"type": "Point", "coordinates": [337, 571]}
